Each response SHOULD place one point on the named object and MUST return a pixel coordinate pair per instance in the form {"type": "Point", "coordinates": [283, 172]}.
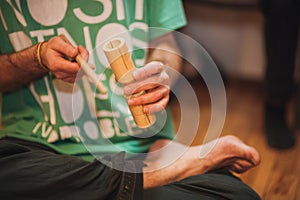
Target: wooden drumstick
{"type": "Point", "coordinates": [87, 69]}
{"type": "Point", "coordinates": [122, 66]}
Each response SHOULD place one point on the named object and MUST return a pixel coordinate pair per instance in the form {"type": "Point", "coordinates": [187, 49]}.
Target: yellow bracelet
{"type": "Point", "coordinates": [38, 55]}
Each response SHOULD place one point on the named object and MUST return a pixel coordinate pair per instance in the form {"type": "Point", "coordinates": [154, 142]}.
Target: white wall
{"type": "Point", "coordinates": [234, 37]}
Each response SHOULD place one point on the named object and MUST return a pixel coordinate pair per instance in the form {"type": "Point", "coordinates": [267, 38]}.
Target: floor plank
{"type": "Point", "coordinates": [282, 183]}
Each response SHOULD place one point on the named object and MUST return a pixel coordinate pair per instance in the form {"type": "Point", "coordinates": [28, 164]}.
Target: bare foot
{"type": "Point", "coordinates": [230, 152]}
{"type": "Point", "coordinates": [226, 152]}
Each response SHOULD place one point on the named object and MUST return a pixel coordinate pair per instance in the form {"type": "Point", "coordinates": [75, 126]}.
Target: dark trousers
{"type": "Point", "coordinates": [32, 171]}
{"type": "Point", "coordinates": [281, 36]}
{"type": "Point", "coordinates": [214, 185]}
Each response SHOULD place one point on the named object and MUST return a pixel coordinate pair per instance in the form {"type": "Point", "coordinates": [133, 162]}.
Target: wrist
{"type": "Point", "coordinates": [39, 56]}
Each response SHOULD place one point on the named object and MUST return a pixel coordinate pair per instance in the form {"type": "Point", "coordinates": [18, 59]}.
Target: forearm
{"type": "Point", "coordinates": [18, 69]}
{"type": "Point", "coordinates": [165, 50]}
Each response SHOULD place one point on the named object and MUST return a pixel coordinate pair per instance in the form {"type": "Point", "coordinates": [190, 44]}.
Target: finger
{"type": "Point", "coordinates": [79, 75]}
{"type": "Point", "coordinates": [70, 79]}
{"type": "Point", "coordinates": [60, 45]}
{"type": "Point", "coordinates": [147, 84]}
{"type": "Point", "coordinates": [149, 69]}
{"type": "Point", "coordinates": [130, 90]}
{"type": "Point", "coordinates": [54, 53]}
{"type": "Point", "coordinates": [240, 166]}
{"type": "Point", "coordinates": [59, 64]}
{"type": "Point", "coordinates": [156, 107]}
{"type": "Point", "coordinates": [83, 52]}
{"type": "Point", "coordinates": [151, 96]}
{"type": "Point", "coordinates": [62, 75]}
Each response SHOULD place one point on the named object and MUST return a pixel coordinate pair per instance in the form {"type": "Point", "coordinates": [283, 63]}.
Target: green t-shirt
{"type": "Point", "coordinates": [61, 115]}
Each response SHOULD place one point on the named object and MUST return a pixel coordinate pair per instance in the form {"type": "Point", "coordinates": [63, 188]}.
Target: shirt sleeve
{"type": "Point", "coordinates": [165, 16]}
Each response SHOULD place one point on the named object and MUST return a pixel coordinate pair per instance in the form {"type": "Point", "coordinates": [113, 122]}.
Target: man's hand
{"type": "Point", "coordinates": [153, 79]}
{"type": "Point", "coordinates": [22, 67]}
{"type": "Point", "coordinates": [54, 54]}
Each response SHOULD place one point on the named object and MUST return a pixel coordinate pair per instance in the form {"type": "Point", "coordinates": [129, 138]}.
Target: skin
{"type": "Point", "coordinates": [228, 152]}
{"type": "Point", "coordinates": [153, 77]}
{"type": "Point", "coordinates": [14, 74]}
{"type": "Point", "coordinates": [20, 68]}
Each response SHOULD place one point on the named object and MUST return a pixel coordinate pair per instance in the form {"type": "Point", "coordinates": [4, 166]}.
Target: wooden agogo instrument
{"type": "Point", "coordinates": [122, 66]}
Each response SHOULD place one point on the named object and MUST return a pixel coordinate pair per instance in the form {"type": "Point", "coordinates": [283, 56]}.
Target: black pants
{"type": "Point", "coordinates": [281, 36]}
{"type": "Point", "coordinates": [32, 171]}
{"type": "Point", "coordinates": [210, 186]}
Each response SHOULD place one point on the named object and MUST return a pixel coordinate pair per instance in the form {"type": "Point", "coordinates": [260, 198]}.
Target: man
{"type": "Point", "coordinates": [281, 39]}
{"type": "Point", "coordinates": [47, 147]}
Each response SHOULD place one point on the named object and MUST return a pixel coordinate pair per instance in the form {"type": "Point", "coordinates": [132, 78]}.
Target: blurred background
{"type": "Point", "coordinates": [232, 32]}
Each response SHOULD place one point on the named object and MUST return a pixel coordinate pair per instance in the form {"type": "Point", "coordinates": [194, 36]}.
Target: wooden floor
{"type": "Point", "coordinates": [278, 175]}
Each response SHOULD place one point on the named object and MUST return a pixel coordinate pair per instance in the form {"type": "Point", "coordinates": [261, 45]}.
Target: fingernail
{"type": "Point", "coordinates": [135, 74]}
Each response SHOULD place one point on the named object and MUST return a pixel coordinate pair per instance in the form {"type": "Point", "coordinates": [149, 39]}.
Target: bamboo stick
{"type": "Point", "coordinates": [122, 66]}
{"type": "Point", "coordinates": [87, 70]}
